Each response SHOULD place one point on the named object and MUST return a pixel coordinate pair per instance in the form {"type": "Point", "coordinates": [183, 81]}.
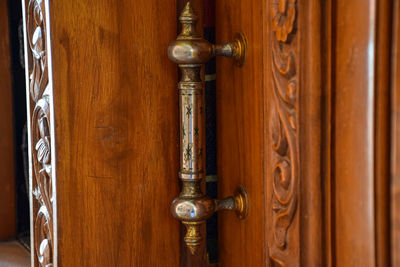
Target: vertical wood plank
{"type": "Point", "coordinates": [310, 132]}
{"type": "Point", "coordinates": [354, 132]}
{"type": "Point", "coordinates": [240, 132]}
{"type": "Point", "coordinates": [116, 114]}
{"type": "Point", "coordinates": [327, 234]}
{"type": "Point", "coordinates": [395, 138]}
{"type": "Point", "coordinates": [382, 131]}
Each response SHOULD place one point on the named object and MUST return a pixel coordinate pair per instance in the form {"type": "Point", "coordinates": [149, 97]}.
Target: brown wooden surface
{"type": "Point", "coordinates": [327, 233]}
{"type": "Point", "coordinates": [117, 133]}
{"type": "Point", "coordinates": [342, 68]}
{"type": "Point", "coordinates": [13, 254]}
{"type": "Point", "coordinates": [382, 131]}
{"type": "Point", "coordinates": [353, 133]}
{"type": "Point", "coordinates": [246, 108]}
{"type": "Point", "coordinates": [395, 138]}
{"type": "Point", "coordinates": [311, 132]}
{"type": "Point", "coordinates": [283, 88]}
{"type": "Point", "coordinates": [7, 178]}
{"type": "Point", "coordinates": [116, 130]}
{"type": "Point", "coordinates": [240, 132]}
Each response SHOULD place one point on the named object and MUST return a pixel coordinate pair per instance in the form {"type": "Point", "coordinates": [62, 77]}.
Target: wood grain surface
{"type": "Point", "coordinates": [13, 254]}
{"type": "Point", "coordinates": [116, 130]}
{"type": "Point", "coordinates": [353, 133]}
{"type": "Point", "coordinates": [382, 131]}
{"type": "Point", "coordinates": [395, 139]}
{"type": "Point", "coordinates": [116, 116]}
{"type": "Point", "coordinates": [270, 137]}
{"type": "Point", "coordinates": [240, 132]}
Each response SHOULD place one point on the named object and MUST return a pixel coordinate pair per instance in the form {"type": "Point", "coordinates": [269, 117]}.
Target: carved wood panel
{"type": "Point", "coordinates": [284, 129]}
{"type": "Point", "coordinates": [39, 98]}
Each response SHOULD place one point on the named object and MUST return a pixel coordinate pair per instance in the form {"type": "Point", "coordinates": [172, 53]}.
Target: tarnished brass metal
{"type": "Point", "coordinates": [192, 207]}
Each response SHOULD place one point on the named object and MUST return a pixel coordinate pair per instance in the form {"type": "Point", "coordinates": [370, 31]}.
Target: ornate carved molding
{"type": "Point", "coordinates": [40, 92]}
{"type": "Point", "coordinates": [284, 128]}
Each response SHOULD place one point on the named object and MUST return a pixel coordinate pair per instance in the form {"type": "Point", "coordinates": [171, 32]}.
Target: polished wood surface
{"type": "Point", "coordinates": [395, 139]}
{"type": "Point", "coordinates": [353, 133]}
{"type": "Point", "coordinates": [13, 254]}
{"type": "Point", "coordinates": [116, 116]}
{"type": "Point", "coordinates": [257, 144]}
{"type": "Point", "coordinates": [7, 176]}
{"type": "Point", "coordinates": [304, 126]}
{"type": "Point", "coordinates": [341, 51]}
{"type": "Point", "coordinates": [312, 131]}
{"type": "Point", "coordinates": [382, 131]}
{"type": "Point", "coordinates": [240, 132]}
{"type": "Point", "coordinates": [326, 123]}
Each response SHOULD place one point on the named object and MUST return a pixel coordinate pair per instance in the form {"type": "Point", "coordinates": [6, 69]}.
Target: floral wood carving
{"type": "Point", "coordinates": [40, 92]}
{"type": "Point", "coordinates": [284, 128]}
{"type": "Point", "coordinates": [283, 15]}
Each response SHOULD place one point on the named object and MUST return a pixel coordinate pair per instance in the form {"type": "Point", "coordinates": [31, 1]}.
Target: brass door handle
{"type": "Point", "coordinates": [192, 207]}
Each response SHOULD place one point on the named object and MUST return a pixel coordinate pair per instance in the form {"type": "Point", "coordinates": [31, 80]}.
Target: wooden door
{"type": "Point", "coordinates": [104, 129]}
{"type": "Point", "coordinates": [307, 126]}
{"type": "Point", "coordinates": [269, 133]}
{"type": "Point", "coordinates": [304, 125]}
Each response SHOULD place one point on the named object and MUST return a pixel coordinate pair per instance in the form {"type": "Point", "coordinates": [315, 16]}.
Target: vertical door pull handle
{"type": "Point", "coordinates": [192, 207]}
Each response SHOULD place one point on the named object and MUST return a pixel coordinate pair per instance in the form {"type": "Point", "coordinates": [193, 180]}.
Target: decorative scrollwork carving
{"type": "Point", "coordinates": [36, 30]}
{"type": "Point", "coordinates": [283, 14]}
{"type": "Point", "coordinates": [284, 125]}
{"type": "Point", "coordinates": [40, 93]}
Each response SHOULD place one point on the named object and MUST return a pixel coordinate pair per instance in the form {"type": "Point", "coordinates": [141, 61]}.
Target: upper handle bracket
{"type": "Point", "coordinates": [190, 48]}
